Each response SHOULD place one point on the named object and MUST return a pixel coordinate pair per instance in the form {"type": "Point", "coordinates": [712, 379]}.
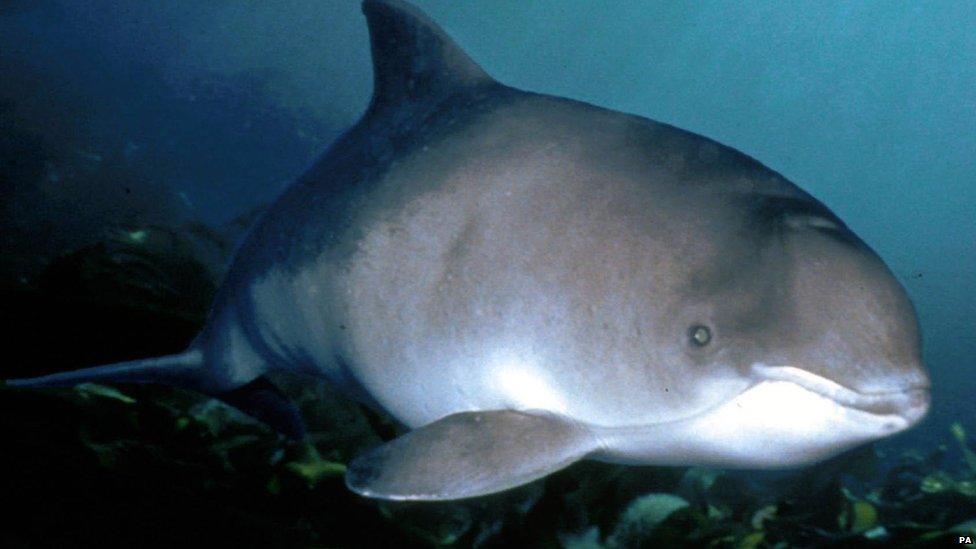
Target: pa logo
{"type": "Point", "coordinates": [968, 540]}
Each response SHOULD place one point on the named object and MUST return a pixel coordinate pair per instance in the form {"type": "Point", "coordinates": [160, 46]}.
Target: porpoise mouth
{"type": "Point", "coordinates": [910, 403]}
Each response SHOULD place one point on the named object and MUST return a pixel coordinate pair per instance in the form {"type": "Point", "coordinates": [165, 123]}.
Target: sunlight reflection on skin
{"type": "Point", "coordinates": [521, 382]}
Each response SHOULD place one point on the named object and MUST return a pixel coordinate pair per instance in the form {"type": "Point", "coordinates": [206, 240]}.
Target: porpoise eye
{"type": "Point", "coordinates": [700, 335]}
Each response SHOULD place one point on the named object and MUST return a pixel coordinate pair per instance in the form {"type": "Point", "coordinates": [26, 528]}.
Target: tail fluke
{"type": "Point", "coordinates": [182, 369]}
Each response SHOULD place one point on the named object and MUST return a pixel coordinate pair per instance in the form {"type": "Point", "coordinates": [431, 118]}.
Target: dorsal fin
{"type": "Point", "coordinates": [413, 58]}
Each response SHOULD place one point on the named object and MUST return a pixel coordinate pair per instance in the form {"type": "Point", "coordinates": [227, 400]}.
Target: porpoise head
{"type": "Point", "coordinates": [792, 339]}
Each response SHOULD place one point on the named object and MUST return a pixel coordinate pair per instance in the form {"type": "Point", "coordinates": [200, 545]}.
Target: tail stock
{"type": "Point", "coordinates": [181, 369]}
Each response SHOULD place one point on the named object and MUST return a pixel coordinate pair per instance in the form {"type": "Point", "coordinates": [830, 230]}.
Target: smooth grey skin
{"type": "Point", "coordinates": [527, 281]}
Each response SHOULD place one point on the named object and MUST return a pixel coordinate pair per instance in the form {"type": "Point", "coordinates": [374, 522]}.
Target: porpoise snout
{"type": "Point", "coordinates": [908, 398]}
{"type": "Point", "coordinates": [910, 404]}
{"type": "Point", "coordinates": [915, 405]}
{"type": "Point", "coordinates": [912, 396]}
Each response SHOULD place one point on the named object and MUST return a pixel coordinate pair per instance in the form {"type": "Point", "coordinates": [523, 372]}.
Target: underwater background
{"type": "Point", "coordinates": [138, 140]}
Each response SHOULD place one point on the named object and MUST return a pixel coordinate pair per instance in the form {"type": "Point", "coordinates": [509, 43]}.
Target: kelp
{"type": "Point", "coordinates": [153, 466]}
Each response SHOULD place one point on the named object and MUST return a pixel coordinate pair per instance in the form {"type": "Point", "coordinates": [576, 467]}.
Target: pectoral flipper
{"type": "Point", "coordinates": [470, 454]}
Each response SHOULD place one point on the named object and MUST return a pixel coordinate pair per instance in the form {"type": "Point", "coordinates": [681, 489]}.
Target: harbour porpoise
{"type": "Point", "coordinates": [526, 281]}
